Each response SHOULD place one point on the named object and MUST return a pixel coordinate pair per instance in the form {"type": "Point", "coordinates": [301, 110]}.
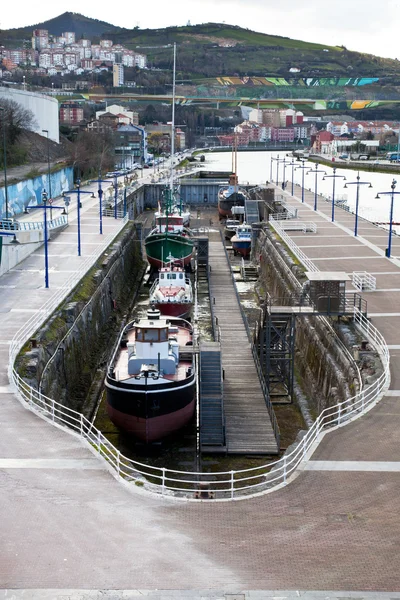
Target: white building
{"type": "Point", "coordinates": [69, 37]}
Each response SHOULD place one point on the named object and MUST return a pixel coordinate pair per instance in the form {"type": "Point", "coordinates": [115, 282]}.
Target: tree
{"type": "Point", "coordinates": [15, 119]}
{"type": "Point", "coordinates": [154, 142]}
{"type": "Point", "coordinates": [92, 152]}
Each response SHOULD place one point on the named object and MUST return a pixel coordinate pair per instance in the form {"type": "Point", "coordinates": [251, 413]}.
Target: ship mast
{"type": "Point", "coordinates": [173, 123]}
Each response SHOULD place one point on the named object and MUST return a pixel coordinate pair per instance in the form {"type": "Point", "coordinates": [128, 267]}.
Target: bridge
{"type": "Point", "coordinates": [231, 101]}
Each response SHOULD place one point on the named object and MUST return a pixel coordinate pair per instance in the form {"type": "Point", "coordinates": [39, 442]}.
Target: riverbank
{"type": "Point", "coordinates": [356, 165]}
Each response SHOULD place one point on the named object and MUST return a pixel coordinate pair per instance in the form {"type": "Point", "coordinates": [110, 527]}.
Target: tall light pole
{"type": "Point", "coordinates": [100, 193]}
{"type": "Point", "coordinates": [272, 160]}
{"type": "Point", "coordinates": [392, 194]}
{"type": "Point", "coordinates": [291, 164]}
{"type": "Point", "coordinates": [116, 175]}
{"type": "Point", "coordinates": [358, 183]}
{"type": "Point", "coordinates": [334, 177]}
{"type": "Point", "coordinates": [3, 112]}
{"type": "Point", "coordinates": [316, 183]}
{"type": "Point", "coordinates": [302, 168]}
{"type": "Point", "coordinates": [78, 192]}
{"type": "Point", "coordinates": [46, 131]}
{"type": "Point", "coordinates": [46, 236]}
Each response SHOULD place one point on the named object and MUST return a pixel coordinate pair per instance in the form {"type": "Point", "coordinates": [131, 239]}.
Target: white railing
{"type": "Point", "coordinates": [292, 246]}
{"type": "Point", "coordinates": [364, 281]}
{"type": "Point", "coordinates": [15, 226]}
{"type": "Point", "coordinates": [293, 225]}
{"type": "Point", "coordinates": [224, 485]}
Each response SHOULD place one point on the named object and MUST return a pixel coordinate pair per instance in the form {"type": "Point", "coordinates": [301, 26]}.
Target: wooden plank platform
{"type": "Point", "coordinates": [248, 425]}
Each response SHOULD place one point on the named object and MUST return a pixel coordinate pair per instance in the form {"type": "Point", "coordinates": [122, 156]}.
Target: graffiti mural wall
{"type": "Point", "coordinates": [29, 192]}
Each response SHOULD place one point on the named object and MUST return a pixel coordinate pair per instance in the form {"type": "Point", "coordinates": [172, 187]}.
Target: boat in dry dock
{"type": "Point", "coordinates": [172, 292]}
{"type": "Point", "coordinates": [241, 241]}
{"type": "Point", "coordinates": [151, 379]}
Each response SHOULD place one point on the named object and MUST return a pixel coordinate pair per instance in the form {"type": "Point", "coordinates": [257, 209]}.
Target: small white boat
{"type": "Point", "coordinates": [172, 293]}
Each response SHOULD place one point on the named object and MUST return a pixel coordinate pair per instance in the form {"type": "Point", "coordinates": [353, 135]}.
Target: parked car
{"type": "Point", "coordinates": [344, 156]}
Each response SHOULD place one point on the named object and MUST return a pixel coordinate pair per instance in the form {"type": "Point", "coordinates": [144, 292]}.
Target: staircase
{"type": "Point", "coordinates": [251, 210]}
{"type": "Point", "coordinates": [212, 425]}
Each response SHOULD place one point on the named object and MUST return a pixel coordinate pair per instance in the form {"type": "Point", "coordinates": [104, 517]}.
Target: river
{"type": "Point", "coordinates": [255, 167]}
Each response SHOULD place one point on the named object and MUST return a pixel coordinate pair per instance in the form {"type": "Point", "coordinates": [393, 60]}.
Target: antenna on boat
{"type": "Point", "coordinates": [173, 123]}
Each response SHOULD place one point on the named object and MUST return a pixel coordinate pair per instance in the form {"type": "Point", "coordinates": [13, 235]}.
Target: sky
{"type": "Point", "coordinates": [363, 25]}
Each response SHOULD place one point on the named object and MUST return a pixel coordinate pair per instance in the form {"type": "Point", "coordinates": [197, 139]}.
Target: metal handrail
{"type": "Point", "coordinates": [223, 485]}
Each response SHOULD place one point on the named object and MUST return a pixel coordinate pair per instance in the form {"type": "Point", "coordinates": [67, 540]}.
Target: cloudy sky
{"type": "Point", "coordinates": [364, 25]}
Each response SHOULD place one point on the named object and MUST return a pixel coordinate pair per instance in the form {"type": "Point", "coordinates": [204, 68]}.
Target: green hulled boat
{"type": "Point", "coordinates": [169, 238]}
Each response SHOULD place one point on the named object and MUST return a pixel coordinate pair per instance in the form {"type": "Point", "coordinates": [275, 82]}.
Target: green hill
{"type": "Point", "coordinates": [68, 21]}
{"type": "Point", "coordinates": [216, 50]}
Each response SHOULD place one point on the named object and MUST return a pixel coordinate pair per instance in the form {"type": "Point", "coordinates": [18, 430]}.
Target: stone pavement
{"type": "Point", "coordinates": [69, 530]}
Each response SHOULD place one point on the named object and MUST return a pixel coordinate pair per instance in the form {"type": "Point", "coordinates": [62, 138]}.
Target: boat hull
{"type": "Point", "coordinates": [173, 309]}
{"type": "Point", "coordinates": [225, 205]}
{"type": "Point", "coordinates": [153, 414]}
{"type": "Point", "coordinates": [242, 247]}
{"type": "Point", "coordinates": [160, 246]}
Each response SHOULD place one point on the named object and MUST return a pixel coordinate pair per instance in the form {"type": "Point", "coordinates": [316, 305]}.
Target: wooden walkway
{"type": "Point", "coordinates": [248, 424]}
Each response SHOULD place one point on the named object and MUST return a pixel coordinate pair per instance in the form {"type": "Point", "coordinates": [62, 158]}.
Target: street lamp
{"type": "Point", "coordinates": [46, 131]}
{"type": "Point", "coordinates": [5, 157]}
{"type": "Point", "coordinates": [277, 167]}
{"type": "Point", "coordinates": [392, 194]}
{"type": "Point", "coordinates": [316, 182]}
{"type": "Point", "coordinates": [100, 193]}
{"type": "Point", "coordinates": [302, 168]}
{"type": "Point", "coordinates": [78, 191]}
{"type": "Point", "coordinates": [291, 164]}
{"type": "Point", "coordinates": [358, 183]}
{"type": "Point", "coordinates": [116, 175]}
{"type": "Point", "coordinates": [46, 237]}
{"type": "Point", "coordinates": [334, 177]}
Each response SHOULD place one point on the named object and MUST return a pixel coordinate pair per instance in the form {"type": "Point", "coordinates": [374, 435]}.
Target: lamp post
{"type": "Point", "coordinates": [333, 177]}
{"type": "Point", "coordinates": [46, 131]}
{"type": "Point", "coordinates": [46, 237]}
{"type": "Point", "coordinates": [392, 194]}
{"type": "Point", "coordinates": [277, 167]}
{"type": "Point", "coordinates": [100, 193]}
{"type": "Point", "coordinates": [316, 182]}
{"type": "Point", "coordinates": [78, 192]}
{"type": "Point", "coordinates": [116, 175]}
{"type": "Point", "coordinates": [302, 168]}
{"type": "Point", "coordinates": [358, 183]}
{"type": "Point", "coordinates": [5, 157]}
{"type": "Point", "coordinates": [291, 164]}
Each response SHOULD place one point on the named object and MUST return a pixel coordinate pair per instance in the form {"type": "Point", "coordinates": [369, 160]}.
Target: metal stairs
{"type": "Point", "coordinates": [212, 422]}
{"type": "Point", "coordinates": [251, 211]}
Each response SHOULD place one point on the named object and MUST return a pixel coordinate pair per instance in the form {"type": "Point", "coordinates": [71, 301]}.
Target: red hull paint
{"type": "Point", "coordinates": [151, 430]}
{"type": "Point", "coordinates": [243, 251]}
{"type": "Point", "coordinates": [224, 213]}
{"type": "Point", "coordinates": [173, 309]}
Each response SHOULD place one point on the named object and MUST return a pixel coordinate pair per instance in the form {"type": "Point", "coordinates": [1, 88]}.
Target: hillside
{"type": "Point", "coordinates": [213, 50]}
{"type": "Point", "coordinates": [68, 21]}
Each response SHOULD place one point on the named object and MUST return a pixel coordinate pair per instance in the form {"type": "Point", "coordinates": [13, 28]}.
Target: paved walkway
{"type": "Point", "coordinates": [68, 528]}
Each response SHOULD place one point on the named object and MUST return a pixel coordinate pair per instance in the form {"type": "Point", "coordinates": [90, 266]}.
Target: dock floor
{"type": "Point", "coordinates": [248, 424]}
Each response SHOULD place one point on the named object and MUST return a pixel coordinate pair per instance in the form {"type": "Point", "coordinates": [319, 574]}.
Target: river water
{"type": "Point", "coordinates": [255, 167]}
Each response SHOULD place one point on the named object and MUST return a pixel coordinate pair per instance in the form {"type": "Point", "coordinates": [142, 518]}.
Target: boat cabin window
{"type": "Point", "coordinates": [146, 334]}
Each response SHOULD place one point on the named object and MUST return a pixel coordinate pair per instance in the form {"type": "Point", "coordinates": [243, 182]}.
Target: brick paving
{"type": "Point", "coordinates": [67, 530]}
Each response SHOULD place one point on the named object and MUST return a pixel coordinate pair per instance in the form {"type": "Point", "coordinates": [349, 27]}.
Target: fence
{"type": "Point", "coordinates": [223, 485]}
